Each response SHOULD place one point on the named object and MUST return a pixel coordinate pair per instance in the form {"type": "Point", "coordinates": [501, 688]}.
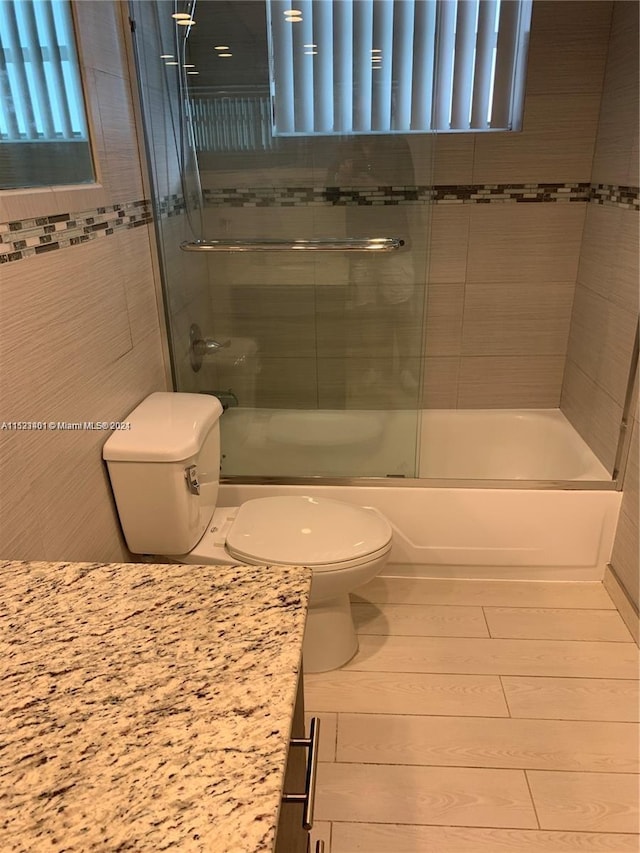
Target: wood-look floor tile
{"type": "Point", "coordinates": [597, 802]}
{"type": "Point", "coordinates": [405, 693]}
{"type": "Point", "coordinates": [497, 657]}
{"type": "Point", "coordinates": [573, 698]}
{"type": "Point", "coordinates": [418, 620]}
{"type": "Point", "coordinates": [395, 838]}
{"type": "Point", "coordinates": [321, 832]}
{"type": "Point", "coordinates": [418, 795]}
{"type": "Point", "coordinates": [587, 594]}
{"type": "Point", "coordinates": [328, 727]}
{"type": "Point", "coordinates": [556, 624]}
{"type": "Point", "coordinates": [488, 742]}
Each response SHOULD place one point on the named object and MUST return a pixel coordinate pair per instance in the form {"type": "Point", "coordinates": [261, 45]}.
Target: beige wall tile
{"type": "Point", "coordinates": [624, 558]}
{"type": "Point", "coordinates": [406, 693]}
{"type": "Point", "coordinates": [573, 698]}
{"type": "Point", "coordinates": [616, 132]}
{"type": "Point", "coordinates": [81, 338]}
{"type": "Point", "coordinates": [360, 321]}
{"type": "Point", "coordinates": [449, 240]}
{"type": "Point", "coordinates": [64, 317]}
{"type": "Point", "coordinates": [556, 624]}
{"type": "Point", "coordinates": [99, 30]}
{"type": "Point", "coordinates": [37, 468]}
{"type": "Point", "coordinates": [121, 171]}
{"type": "Point", "coordinates": [615, 159]}
{"type": "Point", "coordinates": [599, 802]}
{"type": "Point", "coordinates": [563, 658]}
{"type": "Point", "coordinates": [442, 795]}
{"type": "Point", "coordinates": [453, 158]}
{"type": "Point", "coordinates": [396, 838]}
{"type": "Point", "coordinates": [601, 341]}
{"type": "Point", "coordinates": [134, 253]}
{"type": "Point", "coordinates": [507, 319]}
{"type": "Point", "coordinates": [368, 383]}
{"type": "Point", "coordinates": [622, 600]}
{"type": "Point", "coordinates": [440, 382]}
{"type": "Point", "coordinates": [529, 243]}
{"type": "Point", "coordinates": [555, 144]}
{"type": "Point", "coordinates": [482, 593]}
{"type": "Point", "coordinates": [510, 381]}
{"type": "Point", "coordinates": [568, 46]}
{"type": "Point", "coordinates": [633, 178]}
{"type": "Point", "coordinates": [622, 62]}
{"type": "Point", "coordinates": [25, 204]}
{"type": "Point", "coordinates": [21, 528]}
{"type": "Point", "coordinates": [289, 383]}
{"type": "Point", "coordinates": [609, 255]}
{"type": "Point", "coordinates": [592, 412]}
{"type": "Point", "coordinates": [443, 329]}
{"type": "Point", "coordinates": [482, 742]}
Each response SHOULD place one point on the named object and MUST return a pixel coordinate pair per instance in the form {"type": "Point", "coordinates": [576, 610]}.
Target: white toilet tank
{"type": "Point", "coordinates": [165, 471]}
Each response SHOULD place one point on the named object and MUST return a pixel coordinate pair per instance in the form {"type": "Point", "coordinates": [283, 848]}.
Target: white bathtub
{"type": "Point", "coordinates": [504, 444]}
{"type": "Point", "coordinates": [441, 530]}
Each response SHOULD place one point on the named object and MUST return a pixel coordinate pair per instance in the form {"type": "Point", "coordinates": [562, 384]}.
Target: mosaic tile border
{"type": "Point", "coordinates": [26, 238]}
{"type": "Point", "coordinates": [421, 195]}
{"type": "Point", "coordinates": [618, 196]}
{"type": "Point", "coordinates": [171, 205]}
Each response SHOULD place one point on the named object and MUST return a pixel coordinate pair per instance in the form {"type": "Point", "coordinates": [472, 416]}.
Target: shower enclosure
{"type": "Point", "coordinates": [315, 278]}
{"type": "Point", "coordinates": [313, 301]}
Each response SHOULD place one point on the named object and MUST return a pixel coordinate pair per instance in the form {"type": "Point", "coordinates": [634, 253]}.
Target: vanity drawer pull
{"type": "Point", "coordinates": [319, 846]}
{"type": "Point", "coordinates": [309, 796]}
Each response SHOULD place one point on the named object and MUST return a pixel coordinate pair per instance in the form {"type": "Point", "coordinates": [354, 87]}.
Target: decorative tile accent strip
{"type": "Point", "coordinates": [395, 195]}
{"type": "Point", "coordinates": [611, 194]}
{"type": "Point", "coordinates": [28, 237]}
{"type": "Point", "coordinates": [172, 205]}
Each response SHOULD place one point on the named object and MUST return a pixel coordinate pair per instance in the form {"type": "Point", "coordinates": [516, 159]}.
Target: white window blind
{"type": "Point", "coordinates": [40, 92]}
{"type": "Point", "coordinates": [384, 66]}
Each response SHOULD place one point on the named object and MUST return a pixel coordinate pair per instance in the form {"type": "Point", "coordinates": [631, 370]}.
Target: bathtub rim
{"type": "Point", "coordinates": [425, 482]}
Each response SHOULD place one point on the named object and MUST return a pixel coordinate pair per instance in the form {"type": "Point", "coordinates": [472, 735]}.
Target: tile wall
{"type": "Point", "coordinates": [81, 332]}
{"type": "Point", "coordinates": [174, 171]}
{"type": "Point", "coordinates": [604, 319]}
{"type": "Point", "coordinates": [496, 222]}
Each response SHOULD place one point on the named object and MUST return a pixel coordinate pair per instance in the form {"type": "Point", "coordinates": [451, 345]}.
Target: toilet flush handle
{"type": "Point", "coordinates": [191, 476]}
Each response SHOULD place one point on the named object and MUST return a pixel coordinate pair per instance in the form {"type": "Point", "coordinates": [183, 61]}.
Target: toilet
{"type": "Point", "coordinates": [165, 472]}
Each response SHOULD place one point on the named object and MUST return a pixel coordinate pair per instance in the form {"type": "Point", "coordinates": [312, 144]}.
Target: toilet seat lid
{"type": "Point", "coordinates": [306, 531]}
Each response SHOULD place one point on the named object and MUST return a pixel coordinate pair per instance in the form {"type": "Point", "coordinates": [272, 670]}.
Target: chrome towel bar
{"type": "Point", "coordinates": [329, 244]}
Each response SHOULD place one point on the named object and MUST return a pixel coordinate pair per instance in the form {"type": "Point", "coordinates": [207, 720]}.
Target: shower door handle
{"type": "Point", "coordinates": [328, 244]}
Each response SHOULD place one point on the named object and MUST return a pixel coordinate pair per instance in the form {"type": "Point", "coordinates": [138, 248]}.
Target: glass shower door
{"type": "Point", "coordinates": [320, 358]}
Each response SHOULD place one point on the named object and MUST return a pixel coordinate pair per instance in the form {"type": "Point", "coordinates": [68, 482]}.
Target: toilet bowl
{"type": "Point", "coordinates": [164, 473]}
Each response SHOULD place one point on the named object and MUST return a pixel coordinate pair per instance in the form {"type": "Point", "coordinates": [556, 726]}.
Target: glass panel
{"type": "Point", "coordinates": [43, 128]}
{"type": "Point", "coordinates": [320, 355]}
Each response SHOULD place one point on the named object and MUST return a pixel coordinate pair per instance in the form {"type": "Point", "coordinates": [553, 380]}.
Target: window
{"type": "Point", "coordinates": [43, 128]}
{"type": "Point", "coordinates": [384, 66]}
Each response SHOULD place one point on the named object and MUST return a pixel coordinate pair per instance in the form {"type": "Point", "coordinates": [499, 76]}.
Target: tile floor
{"type": "Point", "coordinates": [480, 717]}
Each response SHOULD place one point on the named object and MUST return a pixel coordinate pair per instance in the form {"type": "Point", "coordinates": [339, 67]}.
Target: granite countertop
{"type": "Point", "coordinates": [146, 707]}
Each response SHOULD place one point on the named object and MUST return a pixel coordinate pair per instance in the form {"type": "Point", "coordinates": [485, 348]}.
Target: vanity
{"type": "Point", "coordinates": [149, 707]}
